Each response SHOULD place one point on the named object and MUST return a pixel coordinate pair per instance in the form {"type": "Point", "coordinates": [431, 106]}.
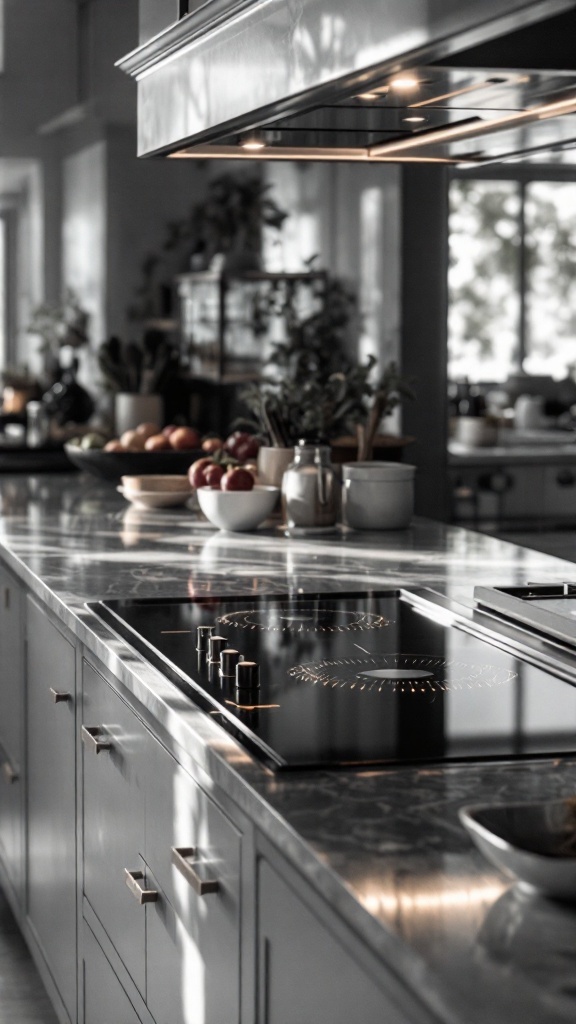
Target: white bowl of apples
{"type": "Point", "coordinates": [232, 500]}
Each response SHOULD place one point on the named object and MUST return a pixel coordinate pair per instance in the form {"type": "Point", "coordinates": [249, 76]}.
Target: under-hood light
{"type": "Point", "coordinates": [475, 126]}
{"type": "Point", "coordinates": [227, 152]}
{"type": "Point", "coordinates": [404, 83]}
{"type": "Point", "coordinates": [253, 142]}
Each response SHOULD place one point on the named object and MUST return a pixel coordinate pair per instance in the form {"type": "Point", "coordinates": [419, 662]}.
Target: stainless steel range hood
{"type": "Point", "coordinates": [449, 81]}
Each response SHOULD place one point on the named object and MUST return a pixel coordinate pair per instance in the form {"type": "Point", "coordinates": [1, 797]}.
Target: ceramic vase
{"type": "Point", "coordinates": [131, 409]}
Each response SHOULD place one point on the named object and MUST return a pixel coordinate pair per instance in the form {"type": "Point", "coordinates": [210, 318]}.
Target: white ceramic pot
{"type": "Point", "coordinates": [377, 495]}
{"type": "Point", "coordinates": [475, 431]}
{"type": "Point", "coordinates": [272, 464]}
{"type": "Point", "coordinates": [131, 409]}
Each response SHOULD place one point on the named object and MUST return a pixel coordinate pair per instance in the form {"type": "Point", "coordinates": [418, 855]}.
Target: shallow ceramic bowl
{"type": "Point", "coordinates": [534, 843]}
{"type": "Point", "coordinates": [161, 482]}
{"type": "Point", "coordinates": [155, 499]}
{"type": "Point", "coordinates": [237, 510]}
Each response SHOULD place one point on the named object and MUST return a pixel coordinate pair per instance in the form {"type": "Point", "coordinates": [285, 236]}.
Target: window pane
{"type": "Point", "coordinates": [551, 277]}
{"type": "Point", "coordinates": [483, 279]}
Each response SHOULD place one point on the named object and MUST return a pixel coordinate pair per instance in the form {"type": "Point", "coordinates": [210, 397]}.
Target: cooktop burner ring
{"type": "Point", "coordinates": [402, 673]}
{"type": "Point", "coordinates": [303, 618]}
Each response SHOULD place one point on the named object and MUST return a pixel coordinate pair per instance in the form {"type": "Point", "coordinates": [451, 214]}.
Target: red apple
{"type": "Point", "coordinates": [169, 429]}
{"type": "Point", "coordinates": [232, 441]}
{"type": "Point", "coordinates": [197, 470]}
{"type": "Point", "coordinates": [247, 448]}
{"type": "Point", "coordinates": [213, 475]}
{"type": "Point", "coordinates": [212, 444]}
{"type": "Point", "coordinates": [114, 446]}
{"type": "Point", "coordinates": [237, 479]}
{"type": "Point", "coordinates": [157, 443]}
{"type": "Point", "coordinates": [184, 437]}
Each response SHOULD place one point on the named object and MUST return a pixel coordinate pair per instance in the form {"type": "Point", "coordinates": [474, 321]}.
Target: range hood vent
{"type": "Point", "coordinates": [488, 83]}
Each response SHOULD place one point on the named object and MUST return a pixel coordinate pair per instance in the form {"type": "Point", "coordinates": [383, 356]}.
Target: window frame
{"type": "Point", "coordinates": [523, 175]}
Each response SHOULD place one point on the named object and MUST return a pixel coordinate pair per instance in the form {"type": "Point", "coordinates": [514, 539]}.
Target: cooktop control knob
{"type": "Point", "coordinates": [247, 675]}
{"type": "Point", "coordinates": [216, 644]}
{"type": "Point", "coordinates": [203, 634]}
{"type": "Point", "coordinates": [229, 658]}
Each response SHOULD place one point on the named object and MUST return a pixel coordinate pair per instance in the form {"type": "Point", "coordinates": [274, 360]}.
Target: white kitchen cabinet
{"type": "Point", "coordinates": [194, 853]}
{"type": "Point", "coordinates": [306, 973]}
{"type": "Point", "coordinates": [12, 777]}
{"type": "Point", "coordinates": [114, 749]}
{"type": "Point", "coordinates": [51, 799]}
{"type": "Point", "coordinates": [176, 925]}
{"type": "Point", "coordinates": [105, 1001]}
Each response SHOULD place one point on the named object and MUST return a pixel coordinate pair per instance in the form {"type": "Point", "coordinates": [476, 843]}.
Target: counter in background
{"type": "Point", "coordinates": [513, 485]}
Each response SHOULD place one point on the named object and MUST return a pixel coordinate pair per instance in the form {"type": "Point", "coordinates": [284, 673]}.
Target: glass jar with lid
{"type": "Point", "coordinates": [310, 488]}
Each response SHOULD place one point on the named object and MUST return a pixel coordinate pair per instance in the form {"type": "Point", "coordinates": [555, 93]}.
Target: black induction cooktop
{"type": "Point", "coordinates": [371, 678]}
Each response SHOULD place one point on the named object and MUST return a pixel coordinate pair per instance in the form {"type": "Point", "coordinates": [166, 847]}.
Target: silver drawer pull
{"type": "Point", "coordinates": [185, 858]}
{"type": "Point", "coordinates": [9, 774]}
{"type": "Point", "coordinates": [132, 879]}
{"type": "Point", "coordinates": [59, 696]}
{"type": "Point", "coordinates": [91, 739]}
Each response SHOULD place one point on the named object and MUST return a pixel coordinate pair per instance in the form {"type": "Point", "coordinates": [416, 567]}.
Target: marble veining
{"type": "Point", "coordinates": [384, 847]}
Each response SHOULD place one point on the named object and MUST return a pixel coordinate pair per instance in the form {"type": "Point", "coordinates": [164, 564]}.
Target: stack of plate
{"type": "Point", "coordinates": [150, 491]}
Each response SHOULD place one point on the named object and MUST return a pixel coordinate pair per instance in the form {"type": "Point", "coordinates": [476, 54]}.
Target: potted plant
{"type": "Point", "coordinates": [64, 325]}
{"type": "Point", "coordinates": [311, 388]}
{"type": "Point", "coordinates": [138, 374]}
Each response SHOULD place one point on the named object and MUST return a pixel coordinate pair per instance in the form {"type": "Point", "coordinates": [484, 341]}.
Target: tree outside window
{"type": "Point", "coordinates": [512, 278]}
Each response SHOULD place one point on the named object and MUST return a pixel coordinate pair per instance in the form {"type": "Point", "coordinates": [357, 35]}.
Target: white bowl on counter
{"type": "Point", "coordinates": [238, 510]}
{"type": "Point", "coordinates": [532, 842]}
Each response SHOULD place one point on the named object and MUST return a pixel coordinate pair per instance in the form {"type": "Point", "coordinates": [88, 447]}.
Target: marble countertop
{"type": "Point", "coordinates": [384, 847]}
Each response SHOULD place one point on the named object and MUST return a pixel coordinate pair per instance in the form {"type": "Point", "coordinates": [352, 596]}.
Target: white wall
{"type": "Point", "coordinates": [350, 216]}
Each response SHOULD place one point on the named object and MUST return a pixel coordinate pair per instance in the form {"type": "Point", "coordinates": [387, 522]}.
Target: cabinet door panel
{"type": "Point", "coordinates": [304, 974]}
{"type": "Point", "coordinates": [51, 781]}
{"type": "Point", "coordinates": [12, 669]}
{"type": "Point", "coordinates": [105, 1001]}
{"type": "Point", "coordinates": [193, 951]}
{"type": "Point", "coordinates": [114, 818]}
{"type": "Point", "coordinates": [11, 823]}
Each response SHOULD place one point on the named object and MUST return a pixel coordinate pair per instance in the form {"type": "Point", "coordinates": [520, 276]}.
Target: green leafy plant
{"type": "Point", "coordinates": [311, 388]}
{"type": "Point", "coordinates": [229, 222]}
{"type": "Point", "coordinates": [141, 368]}
{"type": "Point", "coordinates": [58, 326]}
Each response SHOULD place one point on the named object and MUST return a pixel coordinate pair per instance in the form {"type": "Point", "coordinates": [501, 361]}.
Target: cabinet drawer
{"type": "Point", "coordinates": [113, 792]}
{"type": "Point", "coordinates": [105, 1001]}
{"type": "Point", "coordinates": [193, 936]}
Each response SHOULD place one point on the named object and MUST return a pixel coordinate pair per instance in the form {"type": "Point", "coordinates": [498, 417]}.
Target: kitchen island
{"type": "Point", "coordinates": [356, 885]}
